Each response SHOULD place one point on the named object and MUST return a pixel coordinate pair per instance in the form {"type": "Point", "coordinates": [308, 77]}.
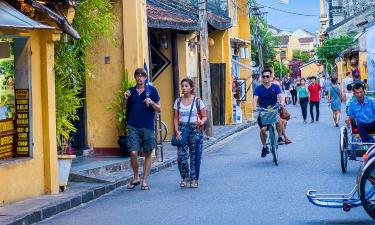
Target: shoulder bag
{"type": "Point", "coordinates": [185, 134]}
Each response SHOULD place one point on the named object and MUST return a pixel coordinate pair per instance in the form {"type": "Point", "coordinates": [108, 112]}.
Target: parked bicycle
{"type": "Point", "coordinates": [161, 132]}
{"type": "Point", "coordinates": [269, 117]}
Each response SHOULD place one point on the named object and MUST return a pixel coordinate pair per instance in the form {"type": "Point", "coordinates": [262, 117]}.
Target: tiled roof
{"type": "Point", "coordinates": [180, 15]}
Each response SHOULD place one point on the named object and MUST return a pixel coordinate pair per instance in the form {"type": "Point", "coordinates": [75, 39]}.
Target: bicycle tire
{"type": "Point", "coordinates": [164, 131]}
{"type": "Point", "coordinates": [344, 149]}
{"type": "Point", "coordinates": [273, 144]}
{"type": "Point", "coordinates": [368, 205]}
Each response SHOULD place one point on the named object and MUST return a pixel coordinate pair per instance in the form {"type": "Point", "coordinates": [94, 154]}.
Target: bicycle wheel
{"type": "Point", "coordinates": [367, 189]}
{"type": "Point", "coordinates": [344, 149]}
{"type": "Point", "coordinates": [273, 143]}
{"type": "Point", "coordinates": [164, 130]}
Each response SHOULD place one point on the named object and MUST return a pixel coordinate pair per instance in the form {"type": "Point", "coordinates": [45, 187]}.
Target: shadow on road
{"type": "Point", "coordinates": [342, 222]}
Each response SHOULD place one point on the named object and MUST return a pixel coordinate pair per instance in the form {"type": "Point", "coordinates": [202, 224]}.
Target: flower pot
{"type": "Point", "coordinates": [122, 142]}
{"type": "Point", "coordinates": [65, 163]}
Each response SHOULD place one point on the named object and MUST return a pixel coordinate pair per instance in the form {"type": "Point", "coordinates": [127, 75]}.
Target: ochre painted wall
{"type": "Point", "coordinates": [102, 85]}
{"type": "Point", "coordinates": [128, 51]}
{"type": "Point", "coordinates": [37, 175]}
{"type": "Point", "coordinates": [363, 65]}
{"type": "Point", "coordinates": [311, 70]}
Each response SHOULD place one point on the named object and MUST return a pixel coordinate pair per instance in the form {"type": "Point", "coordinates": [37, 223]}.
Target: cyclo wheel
{"type": "Point", "coordinates": [344, 149]}
{"type": "Point", "coordinates": [367, 189]}
{"type": "Point", "coordinates": [164, 130]}
{"type": "Point", "coordinates": [273, 143]}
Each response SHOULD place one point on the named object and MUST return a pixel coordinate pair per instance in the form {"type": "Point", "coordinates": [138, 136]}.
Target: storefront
{"type": "Point", "coordinates": [28, 156]}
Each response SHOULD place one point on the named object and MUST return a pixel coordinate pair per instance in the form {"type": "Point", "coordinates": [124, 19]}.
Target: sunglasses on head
{"type": "Point", "coordinates": [265, 76]}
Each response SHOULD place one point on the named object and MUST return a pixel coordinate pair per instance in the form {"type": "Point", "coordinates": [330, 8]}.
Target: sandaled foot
{"type": "Point", "coordinates": [194, 184]}
{"type": "Point", "coordinates": [145, 188]}
{"type": "Point", "coordinates": [133, 184]}
{"type": "Point", "coordinates": [183, 184]}
{"type": "Point", "coordinates": [287, 142]}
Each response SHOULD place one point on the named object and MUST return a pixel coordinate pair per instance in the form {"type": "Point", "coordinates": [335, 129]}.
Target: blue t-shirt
{"type": "Point", "coordinates": [267, 97]}
{"type": "Point", "coordinates": [287, 84]}
{"type": "Point", "coordinates": [363, 113]}
{"type": "Point", "coordinates": [139, 115]}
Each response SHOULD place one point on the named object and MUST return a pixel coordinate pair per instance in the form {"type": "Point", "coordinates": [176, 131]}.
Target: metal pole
{"type": "Point", "coordinates": [258, 37]}
{"type": "Point", "coordinates": [205, 67]}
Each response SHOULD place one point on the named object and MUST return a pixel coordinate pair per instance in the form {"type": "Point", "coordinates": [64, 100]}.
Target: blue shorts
{"type": "Point", "coordinates": [141, 139]}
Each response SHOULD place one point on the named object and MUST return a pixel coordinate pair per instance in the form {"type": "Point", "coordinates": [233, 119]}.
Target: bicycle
{"type": "Point", "coordinates": [269, 117]}
{"type": "Point", "coordinates": [161, 132]}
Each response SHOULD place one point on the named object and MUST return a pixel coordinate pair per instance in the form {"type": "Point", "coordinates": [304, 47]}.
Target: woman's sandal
{"type": "Point", "coordinates": [194, 184]}
{"type": "Point", "coordinates": [145, 188]}
{"type": "Point", "coordinates": [183, 184]}
{"type": "Point", "coordinates": [133, 184]}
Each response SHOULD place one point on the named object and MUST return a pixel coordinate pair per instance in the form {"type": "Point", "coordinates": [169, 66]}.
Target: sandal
{"type": "Point", "coordinates": [145, 188]}
{"type": "Point", "coordinates": [133, 184]}
{"type": "Point", "coordinates": [194, 184]}
{"type": "Point", "coordinates": [183, 184]}
{"type": "Point", "coordinates": [287, 142]}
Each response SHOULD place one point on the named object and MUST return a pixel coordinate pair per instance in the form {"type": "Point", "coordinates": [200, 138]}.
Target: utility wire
{"type": "Point", "coordinates": [289, 12]}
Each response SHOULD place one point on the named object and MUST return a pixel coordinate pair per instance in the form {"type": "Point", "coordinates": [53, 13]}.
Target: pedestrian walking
{"type": "Point", "coordinates": [327, 86]}
{"type": "Point", "coordinates": [303, 98]}
{"type": "Point", "coordinates": [286, 84]}
{"type": "Point", "coordinates": [189, 118]}
{"type": "Point", "coordinates": [346, 81]}
{"type": "Point", "coordinates": [314, 98]}
{"type": "Point", "coordinates": [334, 101]}
{"type": "Point", "coordinates": [141, 101]}
{"type": "Point", "coordinates": [348, 96]}
{"type": "Point", "coordinates": [293, 91]}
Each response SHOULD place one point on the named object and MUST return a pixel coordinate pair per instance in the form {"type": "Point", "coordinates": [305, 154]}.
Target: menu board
{"type": "Point", "coordinates": [6, 138]}
{"type": "Point", "coordinates": [22, 123]}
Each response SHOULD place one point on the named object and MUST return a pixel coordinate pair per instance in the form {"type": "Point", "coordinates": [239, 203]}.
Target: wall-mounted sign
{"type": "Point", "coordinates": [7, 138]}
{"type": "Point", "coordinates": [22, 123]}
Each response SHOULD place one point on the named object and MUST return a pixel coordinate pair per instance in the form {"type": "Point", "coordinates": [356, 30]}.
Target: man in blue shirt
{"type": "Point", "coordinates": [362, 109]}
{"type": "Point", "coordinates": [268, 95]}
{"type": "Point", "coordinates": [142, 101]}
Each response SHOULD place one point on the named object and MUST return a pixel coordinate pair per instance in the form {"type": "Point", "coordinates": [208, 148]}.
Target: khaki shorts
{"type": "Point", "coordinates": [141, 139]}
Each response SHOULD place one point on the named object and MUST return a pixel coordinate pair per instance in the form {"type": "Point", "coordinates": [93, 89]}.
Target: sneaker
{"type": "Point", "coordinates": [312, 121]}
{"type": "Point", "coordinates": [280, 141]}
{"type": "Point", "coordinates": [317, 120]}
{"type": "Point", "coordinates": [264, 152]}
{"type": "Point", "coordinates": [304, 121]}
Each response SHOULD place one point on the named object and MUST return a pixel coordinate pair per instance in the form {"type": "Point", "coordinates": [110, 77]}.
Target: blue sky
{"type": "Point", "coordinates": [291, 22]}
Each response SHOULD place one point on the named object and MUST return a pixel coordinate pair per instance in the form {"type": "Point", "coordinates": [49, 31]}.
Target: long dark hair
{"type": "Point", "coordinates": [190, 82]}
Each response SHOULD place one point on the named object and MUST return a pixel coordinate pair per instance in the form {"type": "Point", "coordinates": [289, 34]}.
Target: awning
{"type": "Point", "coordinates": [239, 41]}
{"type": "Point", "coordinates": [12, 18]}
{"type": "Point", "coordinates": [243, 65]}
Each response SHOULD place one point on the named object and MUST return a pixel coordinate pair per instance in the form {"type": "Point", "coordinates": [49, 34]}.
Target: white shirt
{"type": "Point", "coordinates": [321, 82]}
{"type": "Point", "coordinates": [348, 80]}
{"type": "Point", "coordinates": [349, 97]}
{"type": "Point", "coordinates": [185, 111]}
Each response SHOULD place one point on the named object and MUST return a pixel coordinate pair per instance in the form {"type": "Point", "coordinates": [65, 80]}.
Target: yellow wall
{"type": "Point", "coordinates": [362, 64]}
{"type": "Point", "coordinates": [311, 70]}
{"type": "Point", "coordinates": [129, 51]}
{"type": "Point", "coordinates": [37, 175]}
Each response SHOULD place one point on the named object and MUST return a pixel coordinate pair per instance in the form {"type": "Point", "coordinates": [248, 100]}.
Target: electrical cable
{"type": "Point", "coordinates": [289, 12]}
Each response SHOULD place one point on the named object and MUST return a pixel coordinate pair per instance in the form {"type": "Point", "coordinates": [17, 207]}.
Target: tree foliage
{"type": "Point", "coordinates": [269, 42]}
{"type": "Point", "coordinates": [300, 55]}
{"type": "Point", "coordinates": [93, 19]}
{"type": "Point", "coordinates": [276, 66]}
{"type": "Point", "coordinates": [332, 48]}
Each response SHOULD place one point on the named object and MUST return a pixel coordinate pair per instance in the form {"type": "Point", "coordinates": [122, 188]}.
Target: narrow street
{"type": "Point", "coordinates": [237, 186]}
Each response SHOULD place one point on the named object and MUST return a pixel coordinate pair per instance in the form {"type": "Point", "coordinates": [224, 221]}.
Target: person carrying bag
{"type": "Point", "coordinates": [189, 118]}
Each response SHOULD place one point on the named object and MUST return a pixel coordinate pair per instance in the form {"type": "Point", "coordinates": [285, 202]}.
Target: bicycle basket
{"type": "Point", "coordinates": [269, 116]}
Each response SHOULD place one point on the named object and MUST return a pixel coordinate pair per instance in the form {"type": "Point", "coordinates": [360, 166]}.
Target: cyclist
{"type": "Point", "coordinates": [267, 95]}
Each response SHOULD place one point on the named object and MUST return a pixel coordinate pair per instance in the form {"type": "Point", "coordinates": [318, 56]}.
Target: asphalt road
{"type": "Point", "coordinates": [237, 186]}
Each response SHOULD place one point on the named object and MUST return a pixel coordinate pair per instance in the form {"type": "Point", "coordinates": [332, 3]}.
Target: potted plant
{"type": "Point", "coordinates": [119, 107]}
{"type": "Point", "coordinates": [68, 86]}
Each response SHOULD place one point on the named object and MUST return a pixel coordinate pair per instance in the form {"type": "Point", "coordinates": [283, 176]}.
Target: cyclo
{"type": "Point", "coordinates": [363, 192]}
{"type": "Point", "coordinates": [351, 145]}
{"type": "Point", "coordinates": [270, 116]}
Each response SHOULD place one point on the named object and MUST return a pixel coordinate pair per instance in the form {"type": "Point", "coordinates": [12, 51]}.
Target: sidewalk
{"type": "Point", "coordinates": [93, 177]}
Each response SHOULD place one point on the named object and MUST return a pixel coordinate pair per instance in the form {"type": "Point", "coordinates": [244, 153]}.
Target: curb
{"type": "Point", "coordinates": [96, 192]}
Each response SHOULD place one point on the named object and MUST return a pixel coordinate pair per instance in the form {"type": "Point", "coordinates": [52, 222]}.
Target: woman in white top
{"type": "Point", "coordinates": [189, 116]}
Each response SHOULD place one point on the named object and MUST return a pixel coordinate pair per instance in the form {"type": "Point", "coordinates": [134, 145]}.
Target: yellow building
{"type": "Point", "coordinates": [351, 60]}
{"type": "Point", "coordinates": [27, 98]}
{"type": "Point", "coordinates": [312, 69]}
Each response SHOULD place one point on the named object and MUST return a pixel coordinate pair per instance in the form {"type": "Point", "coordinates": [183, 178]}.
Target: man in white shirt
{"type": "Point", "coordinates": [347, 80]}
{"type": "Point", "coordinates": [321, 82]}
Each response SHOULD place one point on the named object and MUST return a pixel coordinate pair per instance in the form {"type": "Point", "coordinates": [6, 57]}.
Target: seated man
{"type": "Point", "coordinates": [362, 109]}
{"type": "Point", "coordinates": [268, 95]}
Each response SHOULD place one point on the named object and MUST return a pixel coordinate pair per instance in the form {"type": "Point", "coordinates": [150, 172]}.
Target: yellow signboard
{"type": "Point", "coordinates": [22, 122]}
{"type": "Point", "coordinates": [6, 138]}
